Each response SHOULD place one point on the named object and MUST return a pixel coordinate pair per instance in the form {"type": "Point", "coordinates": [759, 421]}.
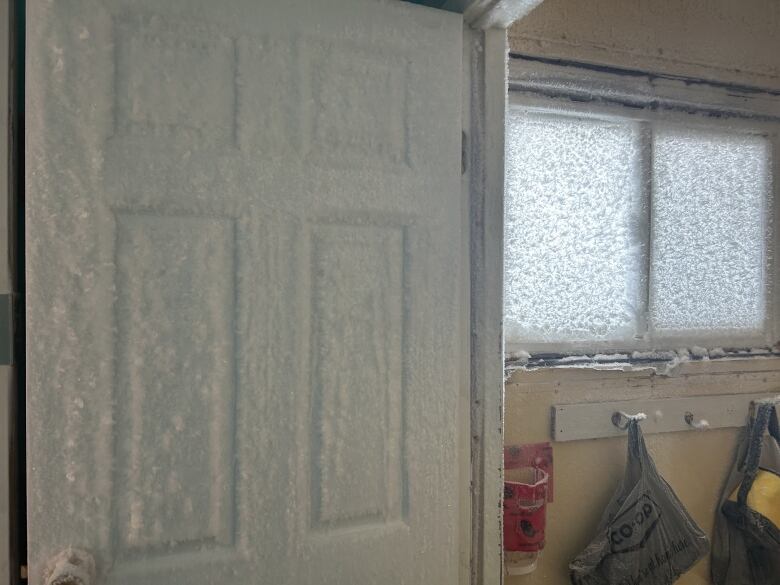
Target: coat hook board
{"type": "Point", "coordinates": [596, 420]}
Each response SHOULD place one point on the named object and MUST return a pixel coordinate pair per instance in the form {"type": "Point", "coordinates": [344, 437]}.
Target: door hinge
{"type": "Point", "coordinates": [23, 571]}
{"type": "Point", "coordinates": [464, 152]}
{"type": "Point", "coordinates": [6, 329]}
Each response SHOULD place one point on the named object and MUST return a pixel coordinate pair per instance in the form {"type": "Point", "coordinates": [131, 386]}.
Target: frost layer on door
{"type": "Point", "coordinates": [572, 251]}
{"type": "Point", "coordinates": [357, 406]}
{"type": "Point", "coordinates": [347, 84]}
{"type": "Point", "coordinates": [267, 157]}
{"type": "Point", "coordinates": [709, 231]}
{"type": "Point", "coordinates": [175, 383]}
{"type": "Point", "coordinates": [169, 95]}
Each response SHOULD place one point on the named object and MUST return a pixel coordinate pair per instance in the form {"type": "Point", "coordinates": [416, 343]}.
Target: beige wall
{"type": "Point", "coordinates": [587, 472]}
{"type": "Point", "coordinates": [724, 40]}
{"type": "Point", "coordinates": [729, 40]}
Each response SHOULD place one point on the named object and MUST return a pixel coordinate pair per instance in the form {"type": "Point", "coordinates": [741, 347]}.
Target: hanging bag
{"type": "Point", "coordinates": [746, 542]}
{"type": "Point", "coordinates": [646, 537]}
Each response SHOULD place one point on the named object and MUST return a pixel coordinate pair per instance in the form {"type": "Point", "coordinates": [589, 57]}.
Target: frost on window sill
{"type": "Point", "coordinates": [664, 363]}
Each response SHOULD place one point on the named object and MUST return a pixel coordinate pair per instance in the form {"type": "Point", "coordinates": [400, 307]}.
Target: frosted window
{"type": "Point", "coordinates": [710, 194]}
{"type": "Point", "coordinates": [572, 251]}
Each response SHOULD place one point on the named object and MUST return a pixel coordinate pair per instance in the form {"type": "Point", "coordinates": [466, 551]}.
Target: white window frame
{"type": "Point", "coordinates": [603, 93]}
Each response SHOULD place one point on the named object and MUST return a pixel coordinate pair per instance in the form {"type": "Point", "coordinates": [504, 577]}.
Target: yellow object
{"type": "Point", "coordinates": [764, 496]}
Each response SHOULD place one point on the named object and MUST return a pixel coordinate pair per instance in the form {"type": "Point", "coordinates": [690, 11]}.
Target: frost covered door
{"type": "Point", "coordinates": [244, 290]}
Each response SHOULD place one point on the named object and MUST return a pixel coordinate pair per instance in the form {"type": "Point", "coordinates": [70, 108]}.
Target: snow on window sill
{"type": "Point", "coordinates": [663, 363]}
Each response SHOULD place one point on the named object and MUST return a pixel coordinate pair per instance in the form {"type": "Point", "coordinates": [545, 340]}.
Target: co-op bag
{"type": "Point", "coordinates": [746, 543]}
{"type": "Point", "coordinates": [646, 537]}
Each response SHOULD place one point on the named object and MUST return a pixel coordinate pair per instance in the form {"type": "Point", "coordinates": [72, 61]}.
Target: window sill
{"type": "Point", "coordinates": [524, 389]}
{"type": "Point", "coordinates": [648, 364]}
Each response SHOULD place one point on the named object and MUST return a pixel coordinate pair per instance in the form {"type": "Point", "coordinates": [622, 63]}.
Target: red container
{"type": "Point", "coordinates": [525, 507]}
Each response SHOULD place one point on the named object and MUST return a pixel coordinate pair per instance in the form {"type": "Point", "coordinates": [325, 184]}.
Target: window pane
{"type": "Point", "coordinates": [572, 246]}
{"type": "Point", "coordinates": [709, 242]}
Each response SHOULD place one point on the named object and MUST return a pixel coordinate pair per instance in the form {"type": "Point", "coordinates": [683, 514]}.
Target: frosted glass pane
{"type": "Point", "coordinates": [572, 251]}
{"type": "Point", "coordinates": [709, 242]}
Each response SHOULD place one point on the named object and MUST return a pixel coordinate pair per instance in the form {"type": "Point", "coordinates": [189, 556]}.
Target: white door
{"type": "Point", "coordinates": [245, 290]}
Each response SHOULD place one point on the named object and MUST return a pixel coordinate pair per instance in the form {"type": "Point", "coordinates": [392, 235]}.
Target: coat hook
{"type": "Point", "coordinates": [699, 425]}
{"type": "Point", "coordinates": [620, 416]}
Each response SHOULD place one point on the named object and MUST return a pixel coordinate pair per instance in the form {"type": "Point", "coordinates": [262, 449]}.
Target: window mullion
{"type": "Point", "coordinates": [645, 138]}
{"type": "Point", "coordinates": [772, 284]}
